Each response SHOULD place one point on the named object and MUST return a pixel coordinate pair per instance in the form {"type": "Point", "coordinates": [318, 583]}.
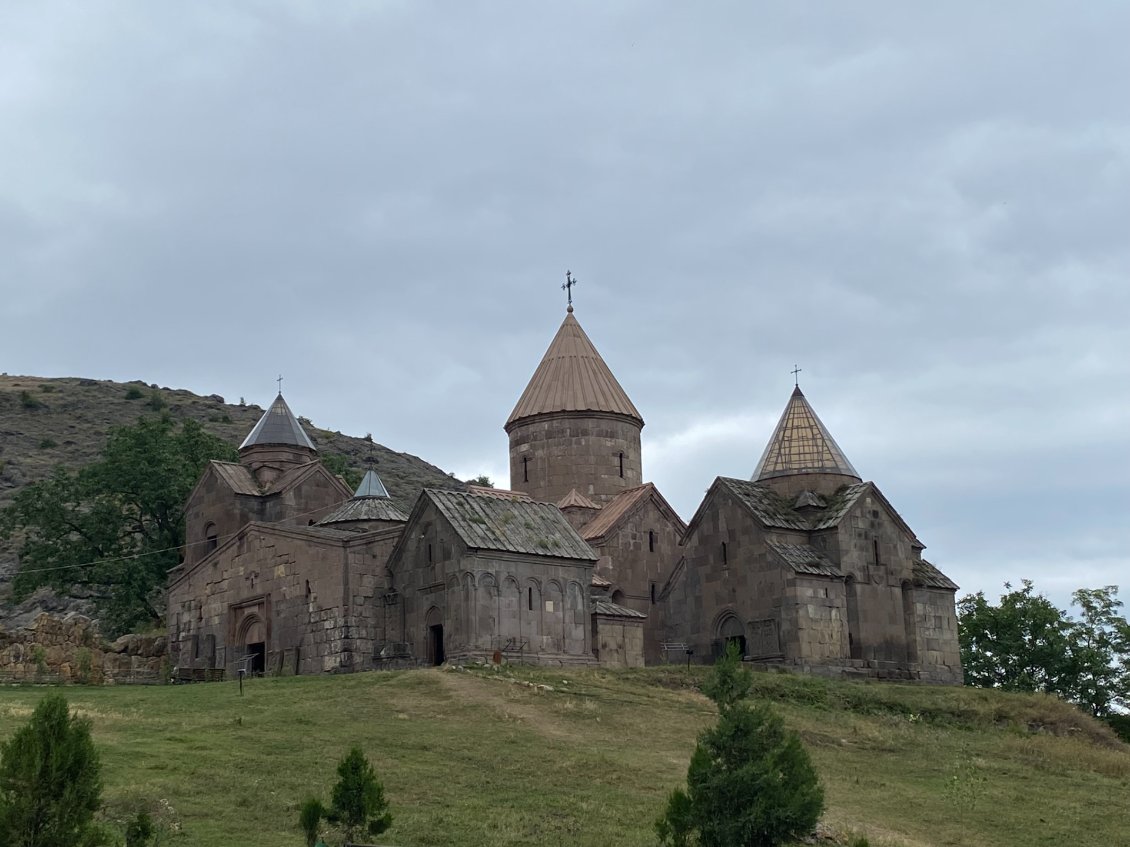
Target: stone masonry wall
{"type": "Point", "coordinates": [618, 642]}
{"type": "Point", "coordinates": [568, 451]}
{"type": "Point", "coordinates": [69, 649]}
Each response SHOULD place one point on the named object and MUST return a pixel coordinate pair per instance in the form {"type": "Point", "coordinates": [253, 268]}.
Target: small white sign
{"type": "Point", "coordinates": [549, 605]}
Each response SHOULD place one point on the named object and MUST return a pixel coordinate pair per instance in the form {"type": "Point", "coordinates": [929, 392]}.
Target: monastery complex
{"type": "Point", "coordinates": [581, 562]}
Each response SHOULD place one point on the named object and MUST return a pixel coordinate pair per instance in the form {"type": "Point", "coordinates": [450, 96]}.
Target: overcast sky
{"type": "Point", "coordinates": [925, 206]}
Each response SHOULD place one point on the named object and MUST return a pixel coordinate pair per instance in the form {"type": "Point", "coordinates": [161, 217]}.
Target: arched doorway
{"type": "Point", "coordinates": [253, 640]}
{"type": "Point", "coordinates": [731, 631]}
{"type": "Point", "coordinates": [433, 624]}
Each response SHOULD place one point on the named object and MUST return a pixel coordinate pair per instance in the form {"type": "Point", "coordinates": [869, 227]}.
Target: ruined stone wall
{"type": "Point", "coordinates": [529, 608]}
{"type": "Point", "coordinates": [568, 451]}
{"type": "Point", "coordinates": [69, 650]}
{"type": "Point", "coordinates": [618, 642]}
{"type": "Point", "coordinates": [637, 558]}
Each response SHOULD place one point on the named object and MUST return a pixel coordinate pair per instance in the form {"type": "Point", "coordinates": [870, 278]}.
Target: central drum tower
{"type": "Point", "coordinates": [574, 426]}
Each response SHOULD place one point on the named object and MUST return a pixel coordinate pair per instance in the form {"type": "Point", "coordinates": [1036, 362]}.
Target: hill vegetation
{"type": "Point", "coordinates": [545, 757]}
{"type": "Point", "coordinates": [45, 423]}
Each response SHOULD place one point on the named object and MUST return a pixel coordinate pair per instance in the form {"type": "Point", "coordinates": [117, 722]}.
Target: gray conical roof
{"type": "Point", "coordinates": [278, 426]}
{"type": "Point", "coordinates": [802, 444]}
{"type": "Point", "coordinates": [371, 486]}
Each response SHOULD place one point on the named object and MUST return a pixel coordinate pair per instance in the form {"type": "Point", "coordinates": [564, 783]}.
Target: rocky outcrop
{"type": "Point", "coordinates": [68, 649]}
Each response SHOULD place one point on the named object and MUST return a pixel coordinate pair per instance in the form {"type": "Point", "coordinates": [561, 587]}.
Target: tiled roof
{"type": "Point", "coordinates": [598, 581]}
{"type": "Point", "coordinates": [572, 377]}
{"type": "Point", "coordinates": [928, 576]}
{"type": "Point", "coordinates": [236, 477]}
{"type": "Point", "coordinates": [838, 506]}
{"type": "Point", "coordinates": [600, 606]}
{"type": "Point", "coordinates": [487, 522]}
{"type": "Point", "coordinates": [576, 499]}
{"type": "Point", "coordinates": [364, 509]}
{"type": "Point", "coordinates": [504, 493]}
{"type": "Point", "coordinates": [767, 506]}
{"type": "Point", "coordinates": [622, 505]}
{"type": "Point", "coordinates": [801, 444]}
{"type": "Point", "coordinates": [278, 426]}
{"type": "Point", "coordinates": [805, 559]}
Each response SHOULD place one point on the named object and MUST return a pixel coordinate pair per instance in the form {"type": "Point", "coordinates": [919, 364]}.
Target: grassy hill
{"type": "Point", "coordinates": [481, 758]}
{"type": "Point", "coordinates": [50, 422]}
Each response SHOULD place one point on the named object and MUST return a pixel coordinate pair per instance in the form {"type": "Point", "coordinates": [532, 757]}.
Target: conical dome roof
{"type": "Point", "coordinates": [572, 377]}
{"type": "Point", "coordinates": [371, 486]}
{"type": "Point", "coordinates": [278, 426]}
{"type": "Point", "coordinates": [802, 444]}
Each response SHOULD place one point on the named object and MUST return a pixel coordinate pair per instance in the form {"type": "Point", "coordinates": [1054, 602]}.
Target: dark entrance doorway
{"type": "Point", "coordinates": [256, 658]}
{"type": "Point", "coordinates": [732, 632]}
{"type": "Point", "coordinates": [435, 644]}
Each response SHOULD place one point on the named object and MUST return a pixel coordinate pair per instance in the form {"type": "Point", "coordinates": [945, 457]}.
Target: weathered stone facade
{"type": "Point", "coordinates": [69, 649]}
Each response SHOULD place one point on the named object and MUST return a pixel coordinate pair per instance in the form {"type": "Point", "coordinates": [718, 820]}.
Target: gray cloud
{"type": "Point", "coordinates": [925, 208]}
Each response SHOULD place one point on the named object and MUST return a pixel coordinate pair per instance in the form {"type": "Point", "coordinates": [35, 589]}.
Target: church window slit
{"type": "Point", "coordinates": [525, 469]}
{"type": "Point", "coordinates": [875, 547]}
{"type": "Point", "coordinates": [651, 541]}
{"type": "Point", "coordinates": [725, 557]}
{"type": "Point", "coordinates": [653, 593]}
{"type": "Point", "coordinates": [621, 465]}
{"type": "Point", "coordinates": [529, 599]}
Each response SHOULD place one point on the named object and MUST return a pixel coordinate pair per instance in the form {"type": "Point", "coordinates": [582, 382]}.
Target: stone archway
{"type": "Point", "coordinates": [252, 641]}
{"type": "Point", "coordinates": [731, 631]}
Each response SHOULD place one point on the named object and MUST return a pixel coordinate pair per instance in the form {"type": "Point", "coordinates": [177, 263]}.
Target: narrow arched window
{"type": "Point", "coordinates": [211, 538]}
{"type": "Point", "coordinates": [529, 599]}
{"type": "Point", "coordinates": [653, 593]}
{"type": "Point", "coordinates": [621, 465]}
{"type": "Point", "coordinates": [525, 469]}
{"type": "Point", "coordinates": [651, 541]}
{"type": "Point", "coordinates": [725, 557]}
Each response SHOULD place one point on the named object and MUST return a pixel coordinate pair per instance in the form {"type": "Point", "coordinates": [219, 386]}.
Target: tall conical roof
{"type": "Point", "coordinates": [572, 377]}
{"type": "Point", "coordinates": [278, 426]}
{"type": "Point", "coordinates": [802, 444]}
{"type": "Point", "coordinates": [371, 486]}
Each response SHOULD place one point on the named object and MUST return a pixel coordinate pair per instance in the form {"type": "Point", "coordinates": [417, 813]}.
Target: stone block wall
{"type": "Point", "coordinates": [69, 650]}
{"type": "Point", "coordinates": [563, 452]}
{"type": "Point", "coordinates": [618, 642]}
{"type": "Point", "coordinates": [938, 648]}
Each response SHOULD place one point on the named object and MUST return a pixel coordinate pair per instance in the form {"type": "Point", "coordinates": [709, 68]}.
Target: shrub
{"type": "Point", "coordinates": [29, 402]}
{"type": "Point", "coordinates": [134, 393]}
{"type": "Point", "coordinates": [50, 781]}
{"type": "Point", "coordinates": [48, 444]}
{"type": "Point", "coordinates": [750, 782]}
{"type": "Point", "coordinates": [310, 815]}
{"type": "Point", "coordinates": [358, 803]}
{"type": "Point", "coordinates": [156, 402]}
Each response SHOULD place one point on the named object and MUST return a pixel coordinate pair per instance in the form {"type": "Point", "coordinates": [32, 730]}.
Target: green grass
{"type": "Point", "coordinates": [471, 757]}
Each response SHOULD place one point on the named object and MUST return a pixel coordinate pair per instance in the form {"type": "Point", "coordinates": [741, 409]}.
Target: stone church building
{"type": "Point", "coordinates": [579, 562]}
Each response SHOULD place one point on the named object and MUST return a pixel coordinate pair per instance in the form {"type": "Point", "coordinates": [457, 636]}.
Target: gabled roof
{"type": "Point", "coordinates": [624, 504]}
{"type": "Point", "coordinates": [802, 444]}
{"type": "Point", "coordinates": [278, 426]}
{"type": "Point", "coordinates": [237, 477]}
{"type": "Point", "coordinates": [767, 505]}
{"type": "Point", "coordinates": [241, 481]}
{"type": "Point", "coordinates": [572, 377]}
{"type": "Point", "coordinates": [607, 608]}
{"type": "Point", "coordinates": [928, 576]}
{"type": "Point", "coordinates": [486, 522]}
{"type": "Point", "coordinates": [577, 500]}
{"type": "Point", "coordinates": [804, 559]}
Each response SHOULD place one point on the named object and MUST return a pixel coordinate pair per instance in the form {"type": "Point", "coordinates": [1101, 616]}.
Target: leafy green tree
{"type": "Point", "coordinates": [482, 480]}
{"type": "Point", "coordinates": [50, 781]}
{"type": "Point", "coordinates": [1027, 644]}
{"type": "Point", "coordinates": [1021, 644]}
{"type": "Point", "coordinates": [358, 803]}
{"type": "Point", "coordinates": [310, 815]}
{"type": "Point", "coordinates": [1101, 651]}
{"type": "Point", "coordinates": [338, 464]}
{"type": "Point", "coordinates": [750, 782]}
{"type": "Point", "coordinates": [114, 527]}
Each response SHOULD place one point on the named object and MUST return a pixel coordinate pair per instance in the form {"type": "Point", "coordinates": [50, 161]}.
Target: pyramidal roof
{"type": "Point", "coordinates": [802, 444]}
{"type": "Point", "coordinates": [278, 426]}
{"type": "Point", "coordinates": [371, 486]}
{"type": "Point", "coordinates": [572, 377]}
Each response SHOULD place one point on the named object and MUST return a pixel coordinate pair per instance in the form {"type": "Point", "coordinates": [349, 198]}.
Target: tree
{"type": "Point", "coordinates": [1027, 644]}
{"type": "Point", "coordinates": [1022, 644]}
{"type": "Point", "coordinates": [750, 782]}
{"type": "Point", "coordinates": [310, 816]}
{"type": "Point", "coordinates": [50, 782]}
{"type": "Point", "coordinates": [482, 480]}
{"type": "Point", "coordinates": [113, 528]}
{"type": "Point", "coordinates": [357, 803]}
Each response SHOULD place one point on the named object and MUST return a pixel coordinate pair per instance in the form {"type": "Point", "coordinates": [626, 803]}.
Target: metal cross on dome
{"type": "Point", "coordinates": [796, 370]}
{"type": "Point", "coordinates": [279, 381]}
{"type": "Point", "coordinates": [567, 287]}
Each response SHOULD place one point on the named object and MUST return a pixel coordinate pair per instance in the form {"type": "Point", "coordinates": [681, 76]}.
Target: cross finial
{"type": "Point", "coordinates": [567, 287]}
{"type": "Point", "coordinates": [279, 381]}
{"type": "Point", "coordinates": [796, 369]}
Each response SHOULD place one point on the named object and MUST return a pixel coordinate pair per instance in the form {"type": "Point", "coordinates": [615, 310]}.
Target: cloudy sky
{"type": "Point", "coordinates": [926, 206]}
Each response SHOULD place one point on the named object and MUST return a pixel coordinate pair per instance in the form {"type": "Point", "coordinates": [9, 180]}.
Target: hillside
{"type": "Point", "coordinates": [477, 758]}
{"type": "Point", "coordinates": [50, 422]}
